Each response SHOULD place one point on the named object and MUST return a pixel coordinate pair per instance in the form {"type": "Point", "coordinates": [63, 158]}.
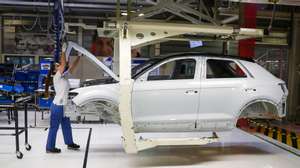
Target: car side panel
{"type": "Point", "coordinates": [221, 100]}
{"type": "Point", "coordinates": [267, 87]}
{"type": "Point", "coordinates": [166, 105]}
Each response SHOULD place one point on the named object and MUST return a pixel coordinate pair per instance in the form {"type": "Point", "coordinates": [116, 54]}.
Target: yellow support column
{"type": "Point", "coordinates": [126, 83]}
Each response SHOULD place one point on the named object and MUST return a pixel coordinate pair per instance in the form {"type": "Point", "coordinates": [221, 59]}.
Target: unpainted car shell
{"type": "Point", "coordinates": [215, 113]}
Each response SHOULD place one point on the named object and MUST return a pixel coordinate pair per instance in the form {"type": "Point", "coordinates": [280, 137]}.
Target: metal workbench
{"type": "Point", "coordinates": [19, 103]}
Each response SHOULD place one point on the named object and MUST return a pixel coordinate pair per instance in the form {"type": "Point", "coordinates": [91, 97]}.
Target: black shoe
{"type": "Point", "coordinates": [73, 146]}
{"type": "Point", "coordinates": [55, 150]}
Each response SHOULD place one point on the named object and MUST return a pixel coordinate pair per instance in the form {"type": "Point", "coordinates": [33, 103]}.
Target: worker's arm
{"type": "Point", "coordinates": [62, 61]}
{"type": "Point", "coordinates": [74, 64]}
{"type": "Point", "coordinates": [62, 64]}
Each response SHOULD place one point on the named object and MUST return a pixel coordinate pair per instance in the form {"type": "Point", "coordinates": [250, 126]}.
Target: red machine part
{"type": "Point", "coordinates": [247, 47]}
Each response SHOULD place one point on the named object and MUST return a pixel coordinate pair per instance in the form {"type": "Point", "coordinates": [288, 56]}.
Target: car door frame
{"type": "Point", "coordinates": [225, 122]}
{"type": "Point", "coordinates": [143, 78]}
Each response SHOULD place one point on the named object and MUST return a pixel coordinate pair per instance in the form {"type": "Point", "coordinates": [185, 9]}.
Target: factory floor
{"type": "Point", "coordinates": [236, 149]}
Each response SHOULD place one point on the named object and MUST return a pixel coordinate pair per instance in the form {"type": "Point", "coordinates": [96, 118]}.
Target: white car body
{"type": "Point", "coordinates": [199, 103]}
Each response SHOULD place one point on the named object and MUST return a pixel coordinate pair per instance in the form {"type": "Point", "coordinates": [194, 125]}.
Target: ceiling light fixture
{"type": "Point", "coordinates": [124, 14]}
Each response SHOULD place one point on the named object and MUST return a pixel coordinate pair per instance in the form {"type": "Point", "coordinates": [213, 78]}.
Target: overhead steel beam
{"type": "Point", "coordinates": [141, 34]}
{"type": "Point", "coordinates": [192, 11]}
{"type": "Point", "coordinates": [230, 19]}
{"type": "Point", "coordinates": [203, 7]}
{"type": "Point", "coordinates": [260, 14]}
{"type": "Point", "coordinates": [178, 8]}
{"type": "Point", "coordinates": [69, 5]}
{"type": "Point", "coordinates": [149, 11]}
{"type": "Point", "coordinates": [45, 15]}
{"type": "Point", "coordinates": [187, 2]}
{"type": "Point", "coordinates": [152, 2]}
{"type": "Point", "coordinates": [279, 2]}
{"type": "Point", "coordinates": [150, 14]}
{"type": "Point", "coordinates": [183, 15]}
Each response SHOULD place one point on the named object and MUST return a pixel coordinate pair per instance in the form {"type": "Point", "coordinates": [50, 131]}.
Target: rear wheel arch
{"type": "Point", "coordinates": [260, 108]}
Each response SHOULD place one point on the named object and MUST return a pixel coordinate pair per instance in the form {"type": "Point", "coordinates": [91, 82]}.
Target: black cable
{"type": "Point", "coordinates": [272, 18]}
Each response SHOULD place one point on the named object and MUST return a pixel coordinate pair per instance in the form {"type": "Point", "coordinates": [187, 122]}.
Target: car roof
{"type": "Point", "coordinates": [200, 54]}
{"type": "Point", "coordinates": [161, 58]}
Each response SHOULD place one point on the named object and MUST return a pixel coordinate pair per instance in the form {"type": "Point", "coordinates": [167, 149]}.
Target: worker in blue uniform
{"type": "Point", "coordinates": [57, 117]}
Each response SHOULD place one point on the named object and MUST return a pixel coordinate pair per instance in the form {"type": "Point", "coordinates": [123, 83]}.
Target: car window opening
{"type": "Point", "coordinates": [223, 69]}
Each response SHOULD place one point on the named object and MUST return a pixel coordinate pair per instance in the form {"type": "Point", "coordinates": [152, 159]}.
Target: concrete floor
{"type": "Point", "coordinates": [237, 149]}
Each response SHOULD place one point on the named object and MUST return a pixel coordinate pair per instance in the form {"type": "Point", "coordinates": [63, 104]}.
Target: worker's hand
{"type": "Point", "coordinates": [64, 47]}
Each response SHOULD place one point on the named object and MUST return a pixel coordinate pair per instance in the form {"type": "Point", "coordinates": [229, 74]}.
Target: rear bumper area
{"type": "Point", "coordinates": [282, 109]}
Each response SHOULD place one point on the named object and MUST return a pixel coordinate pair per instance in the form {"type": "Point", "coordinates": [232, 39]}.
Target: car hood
{"type": "Point", "coordinates": [92, 58]}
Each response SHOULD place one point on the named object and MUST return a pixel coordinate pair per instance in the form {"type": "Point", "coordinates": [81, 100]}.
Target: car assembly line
{"type": "Point", "coordinates": [158, 83]}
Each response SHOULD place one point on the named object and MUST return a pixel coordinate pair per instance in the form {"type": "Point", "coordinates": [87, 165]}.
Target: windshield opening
{"type": "Point", "coordinates": [139, 68]}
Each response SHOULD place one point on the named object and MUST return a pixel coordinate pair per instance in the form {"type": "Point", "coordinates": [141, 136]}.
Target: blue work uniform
{"type": "Point", "coordinates": [61, 87]}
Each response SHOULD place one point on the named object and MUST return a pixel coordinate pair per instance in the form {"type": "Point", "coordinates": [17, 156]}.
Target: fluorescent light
{"type": "Point", "coordinates": [124, 14]}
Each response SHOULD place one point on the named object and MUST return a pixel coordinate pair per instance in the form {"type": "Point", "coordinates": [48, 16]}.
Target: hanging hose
{"type": "Point", "coordinates": [58, 27]}
{"type": "Point", "coordinates": [32, 26]}
{"type": "Point", "coordinates": [273, 17]}
{"type": "Point", "coordinates": [49, 20]}
{"type": "Point", "coordinates": [58, 12]}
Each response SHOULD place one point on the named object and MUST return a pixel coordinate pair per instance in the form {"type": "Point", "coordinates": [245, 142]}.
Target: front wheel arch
{"type": "Point", "coordinates": [98, 100]}
{"type": "Point", "coordinates": [105, 109]}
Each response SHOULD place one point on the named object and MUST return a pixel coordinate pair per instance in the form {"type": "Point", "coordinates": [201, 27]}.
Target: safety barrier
{"type": "Point", "coordinates": [280, 134]}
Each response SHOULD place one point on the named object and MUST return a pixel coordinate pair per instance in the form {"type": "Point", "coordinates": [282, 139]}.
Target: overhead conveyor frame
{"type": "Point", "coordinates": [136, 34]}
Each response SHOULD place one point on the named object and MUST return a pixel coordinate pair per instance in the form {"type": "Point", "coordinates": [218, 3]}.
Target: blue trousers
{"type": "Point", "coordinates": [56, 118]}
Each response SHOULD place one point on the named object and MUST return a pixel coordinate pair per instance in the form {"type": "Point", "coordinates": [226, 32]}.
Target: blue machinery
{"type": "Point", "coordinates": [14, 87]}
{"type": "Point", "coordinates": [8, 102]}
